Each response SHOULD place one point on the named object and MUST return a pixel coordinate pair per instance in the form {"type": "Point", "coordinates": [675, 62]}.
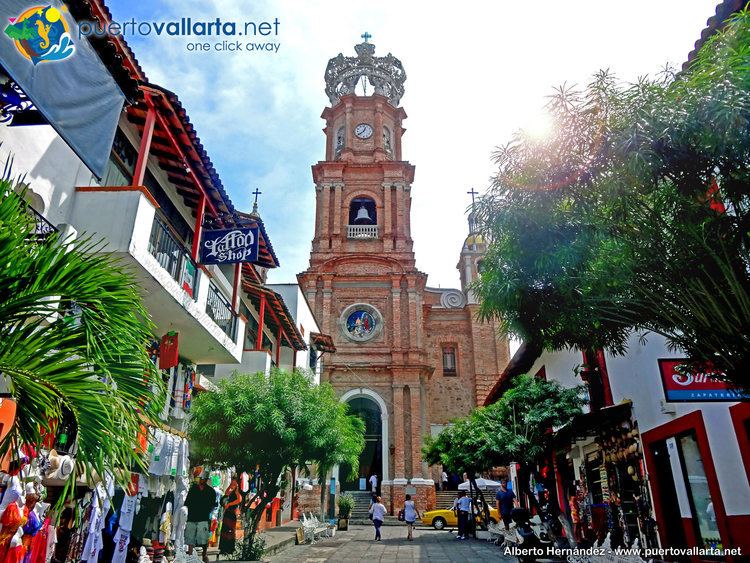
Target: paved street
{"type": "Point", "coordinates": [357, 544]}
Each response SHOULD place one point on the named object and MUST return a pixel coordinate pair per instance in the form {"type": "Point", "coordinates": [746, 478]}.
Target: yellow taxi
{"type": "Point", "coordinates": [440, 519]}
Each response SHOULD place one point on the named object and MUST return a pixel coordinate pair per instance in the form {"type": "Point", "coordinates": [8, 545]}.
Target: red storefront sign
{"type": "Point", "coordinates": [685, 385]}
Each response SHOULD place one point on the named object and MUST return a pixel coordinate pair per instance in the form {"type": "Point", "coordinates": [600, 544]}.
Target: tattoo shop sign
{"type": "Point", "coordinates": [229, 246]}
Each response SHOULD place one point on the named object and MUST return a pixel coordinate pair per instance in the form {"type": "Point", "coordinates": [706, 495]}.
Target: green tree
{"type": "Point", "coordinates": [272, 423]}
{"type": "Point", "coordinates": [608, 225]}
{"type": "Point", "coordinates": [73, 336]}
{"type": "Point", "coordinates": [514, 429]}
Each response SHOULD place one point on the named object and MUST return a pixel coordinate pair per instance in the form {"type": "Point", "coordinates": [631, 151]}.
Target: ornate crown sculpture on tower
{"type": "Point", "coordinates": [385, 74]}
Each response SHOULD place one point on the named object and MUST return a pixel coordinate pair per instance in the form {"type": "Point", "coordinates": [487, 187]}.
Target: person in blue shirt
{"type": "Point", "coordinates": [462, 507]}
{"type": "Point", "coordinates": [505, 504]}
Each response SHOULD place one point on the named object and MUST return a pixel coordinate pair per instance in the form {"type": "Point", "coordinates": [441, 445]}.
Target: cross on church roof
{"type": "Point", "coordinates": [366, 36]}
{"type": "Point", "coordinates": [256, 193]}
{"type": "Point", "coordinates": [472, 193]}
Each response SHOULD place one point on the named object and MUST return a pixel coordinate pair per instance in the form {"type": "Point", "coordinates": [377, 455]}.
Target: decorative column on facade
{"type": "Point", "coordinates": [396, 297]}
{"type": "Point", "coordinates": [398, 434]}
{"type": "Point", "coordinates": [348, 121]}
{"type": "Point", "coordinates": [338, 188]}
{"type": "Point", "coordinates": [379, 128]}
{"type": "Point", "coordinates": [327, 303]}
{"type": "Point", "coordinates": [325, 197]}
{"type": "Point", "coordinates": [386, 210]}
{"type": "Point", "coordinates": [416, 430]}
{"type": "Point", "coordinates": [407, 212]}
{"type": "Point", "coordinates": [318, 210]}
{"type": "Point", "coordinates": [415, 336]}
{"type": "Point", "coordinates": [397, 138]}
{"type": "Point", "coordinates": [399, 235]}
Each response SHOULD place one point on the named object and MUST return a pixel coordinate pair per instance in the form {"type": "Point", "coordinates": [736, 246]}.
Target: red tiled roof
{"type": "Point", "coordinates": [322, 342]}
{"type": "Point", "coordinates": [279, 312]}
{"type": "Point", "coordinates": [724, 10]}
{"type": "Point", "coordinates": [114, 51]}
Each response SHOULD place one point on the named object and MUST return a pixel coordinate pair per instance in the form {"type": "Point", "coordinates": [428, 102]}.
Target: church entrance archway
{"type": "Point", "coordinates": [370, 407]}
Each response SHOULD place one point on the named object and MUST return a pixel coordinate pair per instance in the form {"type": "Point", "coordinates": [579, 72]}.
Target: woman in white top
{"type": "Point", "coordinates": [410, 516]}
{"type": "Point", "coordinates": [378, 515]}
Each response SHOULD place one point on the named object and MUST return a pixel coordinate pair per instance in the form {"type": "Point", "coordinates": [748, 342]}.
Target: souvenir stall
{"type": "Point", "coordinates": [100, 521]}
{"type": "Point", "coordinates": [601, 478]}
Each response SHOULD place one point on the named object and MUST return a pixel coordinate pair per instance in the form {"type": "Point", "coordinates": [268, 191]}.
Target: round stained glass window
{"type": "Point", "coordinates": [360, 322]}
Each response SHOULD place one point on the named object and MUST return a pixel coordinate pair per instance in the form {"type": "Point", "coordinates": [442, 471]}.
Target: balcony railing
{"type": "Point", "coordinates": [220, 310]}
{"type": "Point", "coordinates": [362, 231]}
{"type": "Point", "coordinates": [172, 256]}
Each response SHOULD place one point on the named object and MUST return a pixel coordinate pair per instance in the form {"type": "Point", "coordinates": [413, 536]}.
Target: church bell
{"type": "Point", "coordinates": [362, 216]}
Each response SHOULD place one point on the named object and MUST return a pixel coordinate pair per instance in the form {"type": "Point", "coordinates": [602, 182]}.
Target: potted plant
{"type": "Point", "coordinates": [346, 504]}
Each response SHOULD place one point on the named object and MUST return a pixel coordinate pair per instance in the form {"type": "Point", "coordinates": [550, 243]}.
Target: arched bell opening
{"type": "Point", "coordinates": [362, 211]}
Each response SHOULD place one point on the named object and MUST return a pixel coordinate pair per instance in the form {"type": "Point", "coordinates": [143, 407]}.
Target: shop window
{"type": "Point", "coordinates": [696, 482]}
{"type": "Point", "coordinates": [449, 360]}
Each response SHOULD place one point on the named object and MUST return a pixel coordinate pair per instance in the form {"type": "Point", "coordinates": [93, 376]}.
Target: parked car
{"type": "Point", "coordinates": [440, 519]}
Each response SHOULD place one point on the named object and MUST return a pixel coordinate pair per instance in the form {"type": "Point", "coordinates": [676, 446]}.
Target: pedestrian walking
{"type": "Point", "coordinates": [377, 510]}
{"type": "Point", "coordinates": [374, 483]}
{"type": "Point", "coordinates": [410, 517]}
{"type": "Point", "coordinates": [504, 499]}
{"type": "Point", "coordinates": [200, 501]}
{"type": "Point", "coordinates": [462, 507]}
{"type": "Point", "coordinates": [444, 481]}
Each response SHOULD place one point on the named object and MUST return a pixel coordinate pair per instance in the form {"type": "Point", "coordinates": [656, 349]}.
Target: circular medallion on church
{"type": "Point", "coordinates": [360, 322]}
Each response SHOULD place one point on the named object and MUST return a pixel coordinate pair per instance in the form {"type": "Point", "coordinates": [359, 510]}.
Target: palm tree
{"type": "Point", "coordinates": [73, 336]}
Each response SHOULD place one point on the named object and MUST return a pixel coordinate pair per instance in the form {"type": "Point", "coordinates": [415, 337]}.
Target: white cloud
{"type": "Point", "coordinates": [477, 71]}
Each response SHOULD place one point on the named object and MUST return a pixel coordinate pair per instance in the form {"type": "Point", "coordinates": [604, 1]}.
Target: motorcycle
{"type": "Point", "coordinates": [531, 535]}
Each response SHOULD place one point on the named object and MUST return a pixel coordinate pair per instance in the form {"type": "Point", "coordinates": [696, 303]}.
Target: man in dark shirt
{"type": "Point", "coordinates": [200, 501]}
{"type": "Point", "coordinates": [504, 498]}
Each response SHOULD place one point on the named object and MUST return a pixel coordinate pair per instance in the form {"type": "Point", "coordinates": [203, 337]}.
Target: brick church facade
{"type": "Point", "coordinates": [409, 357]}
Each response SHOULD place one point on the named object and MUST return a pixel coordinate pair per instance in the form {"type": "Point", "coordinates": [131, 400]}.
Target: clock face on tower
{"type": "Point", "coordinates": [363, 131]}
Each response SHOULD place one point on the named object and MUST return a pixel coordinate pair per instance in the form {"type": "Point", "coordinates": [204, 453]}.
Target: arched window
{"type": "Point", "coordinates": [362, 211]}
{"type": "Point", "coordinates": [340, 138]}
{"type": "Point", "coordinates": [387, 141]}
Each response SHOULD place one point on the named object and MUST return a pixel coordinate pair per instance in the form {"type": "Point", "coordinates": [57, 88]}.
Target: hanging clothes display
{"type": "Point", "coordinates": [168, 351]}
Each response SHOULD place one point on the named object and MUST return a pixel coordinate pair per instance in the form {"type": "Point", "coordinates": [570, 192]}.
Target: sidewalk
{"type": "Point", "coordinates": [357, 544]}
{"type": "Point", "coordinates": [277, 539]}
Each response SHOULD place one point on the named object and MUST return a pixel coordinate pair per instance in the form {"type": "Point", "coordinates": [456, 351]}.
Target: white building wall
{"type": "Point", "coordinates": [305, 321]}
{"type": "Point", "coordinates": [47, 165]}
{"type": "Point", "coordinates": [636, 377]}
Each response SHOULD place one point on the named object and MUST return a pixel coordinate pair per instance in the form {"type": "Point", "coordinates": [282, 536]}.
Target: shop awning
{"type": "Point", "coordinates": [322, 342]}
{"type": "Point", "coordinates": [63, 76]}
{"type": "Point", "coordinates": [590, 424]}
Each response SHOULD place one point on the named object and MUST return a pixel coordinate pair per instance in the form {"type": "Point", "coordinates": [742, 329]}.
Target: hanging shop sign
{"type": "Point", "coordinates": [230, 246]}
{"type": "Point", "coordinates": [682, 384]}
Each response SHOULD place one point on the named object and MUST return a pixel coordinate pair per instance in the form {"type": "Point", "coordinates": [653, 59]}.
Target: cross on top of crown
{"type": "Point", "coordinates": [366, 36]}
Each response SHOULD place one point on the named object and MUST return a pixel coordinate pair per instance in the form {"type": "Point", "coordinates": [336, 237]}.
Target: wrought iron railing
{"type": "Point", "coordinates": [172, 256]}
{"type": "Point", "coordinates": [220, 310]}
{"type": "Point", "coordinates": [362, 231]}
{"type": "Point", "coordinates": [42, 227]}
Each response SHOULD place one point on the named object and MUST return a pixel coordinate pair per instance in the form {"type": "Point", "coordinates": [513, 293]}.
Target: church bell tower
{"type": "Point", "coordinates": [362, 282]}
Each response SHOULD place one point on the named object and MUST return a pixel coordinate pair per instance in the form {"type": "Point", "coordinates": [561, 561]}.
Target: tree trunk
{"type": "Point", "coordinates": [251, 519]}
{"type": "Point", "coordinates": [323, 495]}
{"type": "Point", "coordinates": [477, 494]}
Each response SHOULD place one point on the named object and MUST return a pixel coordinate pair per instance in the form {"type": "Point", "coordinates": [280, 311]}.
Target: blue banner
{"type": "Point", "coordinates": [229, 246]}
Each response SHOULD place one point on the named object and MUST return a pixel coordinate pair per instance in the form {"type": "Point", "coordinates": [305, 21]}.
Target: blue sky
{"type": "Point", "coordinates": [476, 72]}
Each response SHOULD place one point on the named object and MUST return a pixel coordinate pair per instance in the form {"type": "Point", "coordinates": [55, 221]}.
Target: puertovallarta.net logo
{"type": "Point", "coordinates": [41, 34]}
